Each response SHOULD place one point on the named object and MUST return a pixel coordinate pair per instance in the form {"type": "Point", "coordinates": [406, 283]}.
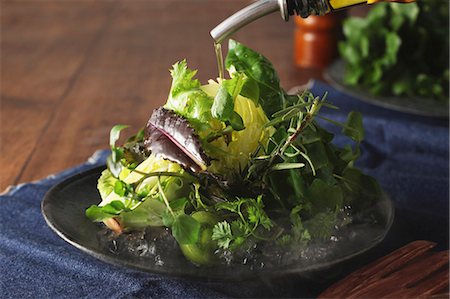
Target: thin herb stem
{"type": "Point", "coordinates": [347, 181]}
{"type": "Point", "coordinates": [240, 213]}
{"type": "Point", "coordinates": [337, 123]}
{"type": "Point", "coordinates": [260, 238]}
{"type": "Point", "coordinates": [163, 173]}
{"type": "Point", "coordinates": [306, 121]}
{"type": "Point", "coordinates": [197, 197]}
{"type": "Point", "coordinates": [163, 195]}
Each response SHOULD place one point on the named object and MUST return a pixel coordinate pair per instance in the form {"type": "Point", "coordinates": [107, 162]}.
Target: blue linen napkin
{"type": "Point", "coordinates": [408, 155]}
{"type": "Point", "coordinates": [36, 263]}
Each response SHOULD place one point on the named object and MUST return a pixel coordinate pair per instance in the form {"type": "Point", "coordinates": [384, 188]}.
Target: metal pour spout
{"type": "Point", "coordinates": [247, 15]}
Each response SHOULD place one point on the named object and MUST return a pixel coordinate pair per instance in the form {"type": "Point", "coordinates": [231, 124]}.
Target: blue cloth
{"type": "Point", "coordinates": [408, 155]}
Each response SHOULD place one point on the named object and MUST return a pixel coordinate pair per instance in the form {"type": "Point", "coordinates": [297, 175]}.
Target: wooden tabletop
{"type": "Point", "coordinates": [70, 70]}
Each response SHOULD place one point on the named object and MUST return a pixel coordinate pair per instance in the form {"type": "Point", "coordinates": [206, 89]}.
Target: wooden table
{"type": "Point", "coordinates": [70, 70]}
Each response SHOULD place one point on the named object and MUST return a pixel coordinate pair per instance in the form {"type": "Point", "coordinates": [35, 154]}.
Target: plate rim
{"type": "Point", "coordinates": [363, 95]}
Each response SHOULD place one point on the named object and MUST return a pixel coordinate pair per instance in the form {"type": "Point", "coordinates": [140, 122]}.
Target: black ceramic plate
{"type": "Point", "coordinates": [64, 206]}
{"type": "Point", "coordinates": [412, 105]}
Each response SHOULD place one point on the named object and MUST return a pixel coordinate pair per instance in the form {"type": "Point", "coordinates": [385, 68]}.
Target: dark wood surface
{"type": "Point", "coordinates": [413, 271]}
{"type": "Point", "coordinates": [70, 70]}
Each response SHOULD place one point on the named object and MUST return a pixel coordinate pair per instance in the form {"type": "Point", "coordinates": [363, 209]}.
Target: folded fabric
{"type": "Point", "coordinates": [36, 263]}
{"type": "Point", "coordinates": [408, 155]}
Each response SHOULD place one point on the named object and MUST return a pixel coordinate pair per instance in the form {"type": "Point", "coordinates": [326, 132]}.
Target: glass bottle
{"type": "Point", "coordinates": [321, 7]}
{"type": "Point", "coordinates": [287, 8]}
{"type": "Point", "coordinates": [318, 7]}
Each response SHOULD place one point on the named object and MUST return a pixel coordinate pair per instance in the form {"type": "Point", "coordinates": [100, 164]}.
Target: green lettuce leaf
{"type": "Point", "coordinates": [186, 97]}
{"type": "Point", "coordinates": [259, 69]}
{"type": "Point", "coordinates": [223, 106]}
{"type": "Point", "coordinates": [106, 183]}
{"type": "Point", "coordinates": [110, 210]}
{"type": "Point", "coordinates": [213, 107]}
{"type": "Point", "coordinates": [185, 229]}
{"type": "Point", "coordinates": [231, 157]}
{"type": "Point", "coordinates": [149, 213]}
{"type": "Point", "coordinates": [148, 184]}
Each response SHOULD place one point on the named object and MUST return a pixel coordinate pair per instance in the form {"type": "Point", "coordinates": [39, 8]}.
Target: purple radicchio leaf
{"type": "Point", "coordinates": [170, 136]}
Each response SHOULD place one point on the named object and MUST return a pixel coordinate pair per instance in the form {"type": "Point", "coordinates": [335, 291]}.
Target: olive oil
{"type": "Point", "coordinates": [219, 56]}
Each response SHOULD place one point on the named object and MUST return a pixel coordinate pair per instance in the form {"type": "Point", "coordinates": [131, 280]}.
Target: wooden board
{"type": "Point", "coordinates": [413, 271]}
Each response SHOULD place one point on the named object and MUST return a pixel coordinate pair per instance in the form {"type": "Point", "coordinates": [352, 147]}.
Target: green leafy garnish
{"type": "Point", "coordinates": [354, 126]}
{"type": "Point", "coordinates": [222, 234]}
{"type": "Point", "coordinates": [250, 218]}
{"type": "Point", "coordinates": [399, 49]}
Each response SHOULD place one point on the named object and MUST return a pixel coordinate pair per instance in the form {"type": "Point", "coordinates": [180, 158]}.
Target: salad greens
{"type": "Point", "coordinates": [399, 49]}
{"type": "Point", "coordinates": [232, 163]}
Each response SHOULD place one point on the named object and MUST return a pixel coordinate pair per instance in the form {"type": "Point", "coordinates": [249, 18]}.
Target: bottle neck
{"type": "Point", "coordinates": [305, 8]}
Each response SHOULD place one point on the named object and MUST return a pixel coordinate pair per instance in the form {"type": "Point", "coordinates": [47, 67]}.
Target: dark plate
{"type": "Point", "coordinates": [412, 105]}
{"type": "Point", "coordinates": [64, 206]}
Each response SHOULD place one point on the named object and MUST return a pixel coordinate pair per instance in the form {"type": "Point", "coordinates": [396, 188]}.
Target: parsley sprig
{"type": "Point", "coordinates": [249, 217]}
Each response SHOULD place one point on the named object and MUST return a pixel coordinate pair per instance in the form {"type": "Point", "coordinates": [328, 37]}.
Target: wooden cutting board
{"type": "Point", "coordinates": [413, 271]}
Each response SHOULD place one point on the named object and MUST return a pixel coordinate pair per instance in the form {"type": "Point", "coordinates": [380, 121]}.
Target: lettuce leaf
{"type": "Point", "coordinates": [149, 213]}
{"type": "Point", "coordinates": [210, 112]}
{"type": "Point", "coordinates": [223, 109]}
{"type": "Point", "coordinates": [147, 184]}
{"type": "Point", "coordinates": [187, 99]}
{"type": "Point", "coordinates": [105, 184]}
{"type": "Point", "coordinates": [235, 155]}
{"type": "Point", "coordinates": [110, 210]}
{"type": "Point", "coordinates": [263, 79]}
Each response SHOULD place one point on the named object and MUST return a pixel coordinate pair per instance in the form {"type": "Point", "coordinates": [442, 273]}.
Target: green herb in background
{"type": "Point", "coordinates": [399, 49]}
